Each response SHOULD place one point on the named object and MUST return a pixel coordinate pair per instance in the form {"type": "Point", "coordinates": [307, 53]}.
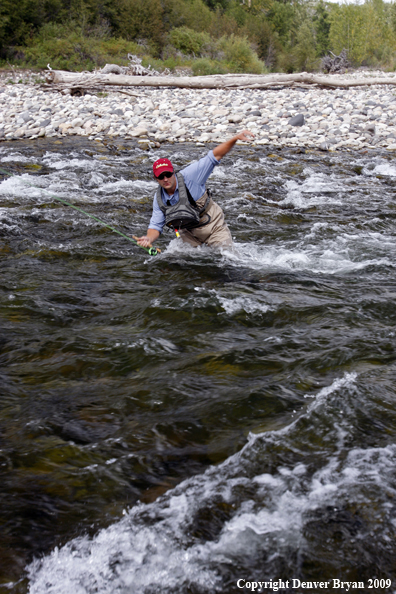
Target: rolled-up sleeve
{"type": "Point", "coordinates": [157, 220]}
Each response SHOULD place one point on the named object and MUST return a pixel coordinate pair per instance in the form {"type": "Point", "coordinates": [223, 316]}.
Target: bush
{"type": "Point", "coordinates": [191, 43]}
{"type": "Point", "coordinates": [239, 55]}
{"type": "Point", "coordinates": [204, 67]}
{"type": "Point", "coordinates": [65, 47]}
{"type": "Point", "coordinates": [170, 63]}
{"type": "Point", "coordinates": [193, 14]}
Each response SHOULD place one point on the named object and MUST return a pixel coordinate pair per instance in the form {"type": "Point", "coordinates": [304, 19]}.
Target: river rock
{"type": "Point", "coordinates": [297, 120]}
{"type": "Point", "coordinates": [77, 122]}
{"type": "Point", "coordinates": [138, 132]}
{"type": "Point", "coordinates": [64, 127]}
{"type": "Point", "coordinates": [19, 133]}
{"type": "Point", "coordinates": [26, 116]}
{"type": "Point", "coordinates": [235, 119]}
{"type": "Point", "coordinates": [72, 431]}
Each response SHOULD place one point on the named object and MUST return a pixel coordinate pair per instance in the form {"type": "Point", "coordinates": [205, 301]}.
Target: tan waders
{"type": "Point", "coordinates": [216, 233]}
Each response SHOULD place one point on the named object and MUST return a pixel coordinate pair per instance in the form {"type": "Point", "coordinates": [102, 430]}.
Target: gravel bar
{"type": "Point", "coordinates": [327, 119]}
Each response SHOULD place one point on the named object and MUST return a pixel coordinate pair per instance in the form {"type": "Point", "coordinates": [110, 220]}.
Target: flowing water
{"type": "Point", "coordinates": [174, 424]}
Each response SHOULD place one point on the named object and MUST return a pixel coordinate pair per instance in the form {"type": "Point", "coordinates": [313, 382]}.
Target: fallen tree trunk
{"type": "Point", "coordinates": [216, 81]}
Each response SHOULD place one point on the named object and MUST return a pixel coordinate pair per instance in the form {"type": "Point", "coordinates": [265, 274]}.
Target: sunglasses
{"type": "Point", "coordinates": [166, 174]}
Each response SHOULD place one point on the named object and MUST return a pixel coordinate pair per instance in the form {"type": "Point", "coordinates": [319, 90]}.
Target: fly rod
{"type": "Point", "coordinates": [152, 251]}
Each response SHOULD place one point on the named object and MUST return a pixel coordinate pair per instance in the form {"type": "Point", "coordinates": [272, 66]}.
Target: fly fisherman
{"type": "Point", "coordinates": [183, 203]}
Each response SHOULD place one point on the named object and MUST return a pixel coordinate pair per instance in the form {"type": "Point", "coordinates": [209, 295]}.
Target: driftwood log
{"type": "Point", "coordinates": [92, 81]}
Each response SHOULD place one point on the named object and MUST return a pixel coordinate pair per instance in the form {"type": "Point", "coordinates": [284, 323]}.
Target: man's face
{"type": "Point", "coordinates": [167, 180]}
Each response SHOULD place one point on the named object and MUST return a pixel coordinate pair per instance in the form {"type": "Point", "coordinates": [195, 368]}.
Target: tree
{"type": "Point", "coordinates": [322, 26]}
{"type": "Point", "coordinates": [142, 19]}
{"type": "Point", "coordinates": [213, 4]}
{"type": "Point", "coordinates": [304, 51]}
{"type": "Point", "coordinates": [20, 20]}
{"type": "Point", "coordinates": [282, 18]}
{"type": "Point", "coordinates": [362, 30]}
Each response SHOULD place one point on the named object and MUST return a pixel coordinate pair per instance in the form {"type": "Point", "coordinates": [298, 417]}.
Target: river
{"type": "Point", "coordinates": [180, 422]}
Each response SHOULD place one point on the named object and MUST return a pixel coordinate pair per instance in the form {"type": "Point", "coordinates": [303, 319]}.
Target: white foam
{"type": "Point", "coordinates": [345, 382]}
{"type": "Point", "coordinates": [317, 229]}
{"type": "Point", "coordinates": [340, 255]}
{"type": "Point", "coordinates": [219, 172]}
{"type": "Point", "coordinates": [20, 187]}
{"type": "Point", "coordinates": [17, 158]}
{"type": "Point", "coordinates": [384, 169]}
{"type": "Point", "coordinates": [74, 164]}
{"type": "Point", "coordinates": [177, 247]}
{"type": "Point", "coordinates": [280, 258]}
{"type": "Point", "coordinates": [122, 184]}
{"type": "Point", "coordinates": [314, 191]}
{"type": "Point", "coordinates": [152, 546]}
{"type": "Point", "coordinates": [229, 304]}
{"type": "Point", "coordinates": [242, 303]}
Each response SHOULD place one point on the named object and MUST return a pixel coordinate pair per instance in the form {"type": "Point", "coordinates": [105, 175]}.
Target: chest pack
{"type": "Point", "coordinates": [185, 214]}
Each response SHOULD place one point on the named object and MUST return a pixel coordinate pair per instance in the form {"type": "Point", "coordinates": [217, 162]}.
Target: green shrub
{"type": "Point", "coordinates": [204, 67]}
{"type": "Point", "coordinates": [193, 14]}
{"type": "Point", "coordinates": [160, 65]}
{"type": "Point", "coordinates": [188, 41]}
{"type": "Point", "coordinates": [65, 47]}
{"type": "Point", "coordinates": [239, 55]}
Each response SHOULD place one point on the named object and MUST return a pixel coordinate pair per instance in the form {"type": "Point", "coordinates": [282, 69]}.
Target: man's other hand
{"type": "Point", "coordinates": [144, 241]}
{"type": "Point", "coordinates": [147, 240]}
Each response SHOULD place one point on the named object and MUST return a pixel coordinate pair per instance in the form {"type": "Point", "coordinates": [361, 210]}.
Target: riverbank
{"type": "Point", "coordinates": [360, 117]}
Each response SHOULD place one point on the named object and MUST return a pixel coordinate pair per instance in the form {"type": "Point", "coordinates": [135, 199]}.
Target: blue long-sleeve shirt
{"type": "Point", "coordinates": [195, 176]}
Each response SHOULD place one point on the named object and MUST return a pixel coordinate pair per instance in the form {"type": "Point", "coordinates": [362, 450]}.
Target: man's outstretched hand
{"type": "Point", "coordinates": [245, 135]}
{"type": "Point", "coordinates": [222, 149]}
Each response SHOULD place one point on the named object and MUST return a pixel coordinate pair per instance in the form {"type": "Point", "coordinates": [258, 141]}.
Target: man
{"type": "Point", "coordinates": [183, 203]}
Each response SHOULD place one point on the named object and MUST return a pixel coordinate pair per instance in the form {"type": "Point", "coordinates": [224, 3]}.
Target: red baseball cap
{"type": "Point", "coordinates": [162, 165]}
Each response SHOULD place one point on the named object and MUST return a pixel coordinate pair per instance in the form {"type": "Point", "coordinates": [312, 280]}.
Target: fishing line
{"type": "Point", "coordinates": [151, 250]}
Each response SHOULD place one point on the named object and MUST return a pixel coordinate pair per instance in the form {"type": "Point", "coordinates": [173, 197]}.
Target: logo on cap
{"type": "Point", "coordinates": [162, 165]}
